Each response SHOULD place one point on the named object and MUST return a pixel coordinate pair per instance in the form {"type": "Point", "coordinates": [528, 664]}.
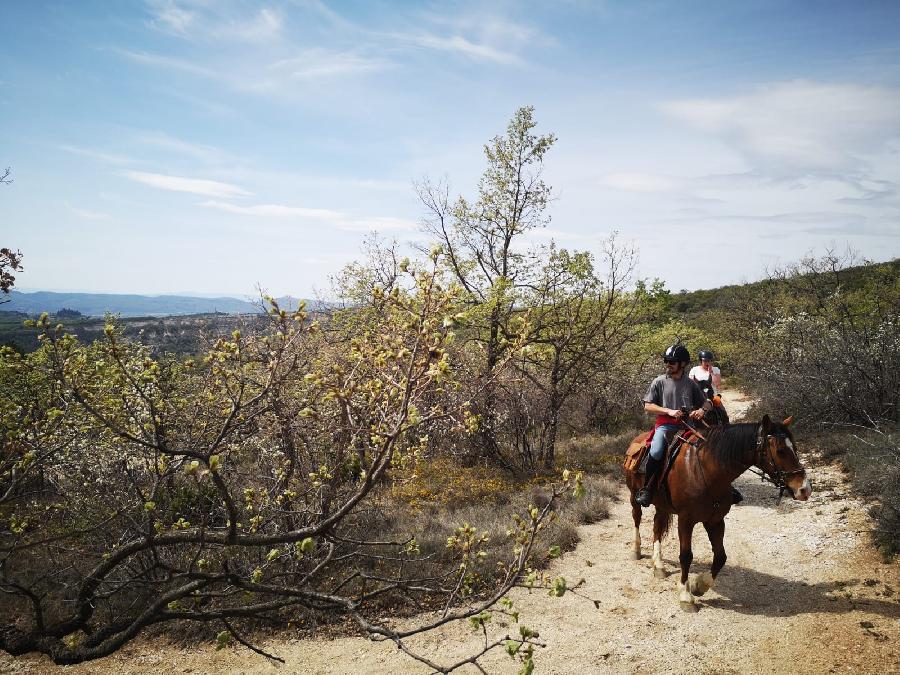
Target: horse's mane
{"type": "Point", "coordinates": [731, 443]}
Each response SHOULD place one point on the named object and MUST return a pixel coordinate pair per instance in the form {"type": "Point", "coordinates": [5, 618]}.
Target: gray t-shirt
{"type": "Point", "coordinates": [675, 394]}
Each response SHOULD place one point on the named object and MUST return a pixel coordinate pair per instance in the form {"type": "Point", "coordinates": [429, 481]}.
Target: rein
{"type": "Point", "coordinates": [779, 475]}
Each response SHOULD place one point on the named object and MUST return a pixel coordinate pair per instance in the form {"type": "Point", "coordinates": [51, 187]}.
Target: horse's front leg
{"type": "Point", "coordinates": [685, 557]}
{"type": "Point", "coordinates": [636, 516]}
{"type": "Point", "coordinates": [660, 525]}
{"type": "Point", "coordinates": [703, 582]}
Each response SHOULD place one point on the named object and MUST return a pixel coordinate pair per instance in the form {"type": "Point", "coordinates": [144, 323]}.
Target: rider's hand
{"type": "Point", "coordinates": [697, 414]}
{"type": "Point", "coordinates": [677, 414]}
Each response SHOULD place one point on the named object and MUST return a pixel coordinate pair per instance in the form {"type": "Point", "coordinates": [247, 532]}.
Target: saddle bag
{"type": "Point", "coordinates": [637, 452]}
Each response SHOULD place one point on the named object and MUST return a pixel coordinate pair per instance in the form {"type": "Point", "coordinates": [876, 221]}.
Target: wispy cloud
{"type": "Point", "coordinates": [276, 211]}
{"type": "Point", "coordinates": [478, 34]}
{"type": "Point", "coordinates": [319, 63]}
{"type": "Point", "coordinates": [462, 45]}
{"type": "Point", "coordinates": [98, 155]}
{"type": "Point", "coordinates": [265, 26]}
{"type": "Point", "coordinates": [170, 15]}
{"type": "Point", "coordinates": [380, 224]}
{"type": "Point", "coordinates": [200, 151]}
{"type": "Point", "coordinates": [87, 214]}
{"type": "Point", "coordinates": [214, 20]}
{"type": "Point", "coordinates": [800, 126]}
{"type": "Point", "coordinates": [639, 182]}
{"type": "Point", "coordinates": [338, 219]}
{"type": "Point", "coordinates": [197, 186]}
{"type": "Point", "coordinates": [171, 63]}
{"type": "Point", "coordinates": [274, 77]}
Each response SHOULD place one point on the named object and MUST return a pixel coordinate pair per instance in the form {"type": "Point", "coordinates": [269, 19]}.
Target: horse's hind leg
{"type": "Point", "coordinates": [685, 557]}
{"type": "Point", "coordinates": [703, 582]}
{"type": "Point", "coordinates": [636, 515]}
{"type": "Point", "coordinates": [660, 526]}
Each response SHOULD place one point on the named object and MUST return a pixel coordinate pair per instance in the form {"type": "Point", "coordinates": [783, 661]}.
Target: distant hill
{"type": "Point", "coordinates": [726, 297]}
{"type": "Point", "coordinates": [98, 304]}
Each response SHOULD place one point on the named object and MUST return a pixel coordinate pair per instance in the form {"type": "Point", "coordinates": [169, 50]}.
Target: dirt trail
{"type": "Point", "coordinates": [802, 591]}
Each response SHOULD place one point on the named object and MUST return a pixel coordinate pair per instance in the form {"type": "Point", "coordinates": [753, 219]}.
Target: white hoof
{"type": "Point", "coordinates": [684, 595]}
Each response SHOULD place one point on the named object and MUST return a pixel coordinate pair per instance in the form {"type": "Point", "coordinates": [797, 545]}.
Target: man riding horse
{"type": "Point", "coordinates": [668, 397]}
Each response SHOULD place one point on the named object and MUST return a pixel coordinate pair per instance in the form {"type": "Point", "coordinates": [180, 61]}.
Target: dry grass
{"type": "Point", "coordinates": [445, 495]}
{"type": "Point", "coordinates": [873, 460]}
{"type": "Point", "coordinates": [597, 454]}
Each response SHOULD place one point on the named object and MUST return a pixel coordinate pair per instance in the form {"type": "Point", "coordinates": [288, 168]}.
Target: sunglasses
{"type": "Point", "coordinates": [670, 361]}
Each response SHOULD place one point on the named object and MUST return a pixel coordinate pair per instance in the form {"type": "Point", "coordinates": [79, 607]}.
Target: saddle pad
{"type": "Point", "coordinates": [636, 455]}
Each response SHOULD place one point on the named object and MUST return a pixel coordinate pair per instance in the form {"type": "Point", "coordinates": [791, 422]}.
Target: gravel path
{"type": "Point", "coordinates": [802, 591]}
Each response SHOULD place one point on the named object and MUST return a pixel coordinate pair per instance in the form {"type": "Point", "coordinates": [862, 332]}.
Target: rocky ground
{"type": "Point", "coordinates": [803, 591]}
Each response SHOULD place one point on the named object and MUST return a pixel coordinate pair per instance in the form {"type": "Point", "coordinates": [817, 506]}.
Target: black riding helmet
{"type": "Point", "coordinates": [677, 353]}
{"type": "Point", "coordinates": [705, 354]}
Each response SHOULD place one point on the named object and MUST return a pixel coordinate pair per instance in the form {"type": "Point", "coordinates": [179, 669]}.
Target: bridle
{"type": "Point", "coordinates": [776, 476]}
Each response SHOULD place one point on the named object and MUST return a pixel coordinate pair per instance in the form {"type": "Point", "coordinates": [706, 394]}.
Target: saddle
{"type": "Point", "coordinates": [639, 451]}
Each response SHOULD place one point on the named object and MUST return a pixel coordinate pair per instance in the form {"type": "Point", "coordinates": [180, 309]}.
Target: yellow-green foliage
{"type": "Point", "coordinates": [443, 480]}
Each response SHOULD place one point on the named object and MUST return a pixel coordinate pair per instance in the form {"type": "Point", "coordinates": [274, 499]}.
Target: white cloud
{"type": "Point", "coordinates": [99, 155]}
{"type": "Point", "coordinates": [639, 182]}
{"type": "Point", "coordinates": [171, 63]}
{"type": "Point", "coordinates": [197, 18]}
{"type": "Point", "coordinates": [197, 186]}
{"type": "Point", "coordinates": [464, 46]}
{"type": "Point", "coordinates": [339, 219]}
{"type": "Point", "coordinates": [87, 214]}
{"type": "Point", "coordinates": [318, 63]}
{"type": "Point", "coordinates": [380, 224]}
{"type": "Point", "coordinates": [161, 139]}
{"type": "Point", "coordinates": [265, 26]}
{"type": "Point", "coordinates": [800, 126]}
{"type": "Point", "coordinates": [170, 16]}
{"type": "Point", "coordinates": [276, 211]}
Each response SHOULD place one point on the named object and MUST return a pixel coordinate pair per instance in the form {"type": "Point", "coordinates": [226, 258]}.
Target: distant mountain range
{"type": "Point", "coordinates": [98, 304]}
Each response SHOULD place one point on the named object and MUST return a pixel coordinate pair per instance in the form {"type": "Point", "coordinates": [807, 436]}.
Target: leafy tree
{"type": "Point", "coordinates": [480, 243]}
{"type": "Point", "coordinates": [10, 261]}
{"type": "Point", "coordinates": [578, 323]}
{"type": "Point", "coordinates": [821, 339]}
{"type": "Point", "coordinates": [137, 491]}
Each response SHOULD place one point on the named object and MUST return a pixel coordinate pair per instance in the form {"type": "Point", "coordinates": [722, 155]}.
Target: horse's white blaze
{"type": "Point", "coordinates": [805, 490]}
{"type": "Point", "coordinates": [787, 442]}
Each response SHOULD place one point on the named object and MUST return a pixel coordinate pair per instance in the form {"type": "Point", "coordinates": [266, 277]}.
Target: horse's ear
{"type": "Point", "coordinates": [787, 422]}
{"type": "Point", "coordinates": [765, 426]}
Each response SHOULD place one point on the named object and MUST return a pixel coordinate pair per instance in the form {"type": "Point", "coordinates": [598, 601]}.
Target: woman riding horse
{"type": "Point", "coordinates": [697, 488]}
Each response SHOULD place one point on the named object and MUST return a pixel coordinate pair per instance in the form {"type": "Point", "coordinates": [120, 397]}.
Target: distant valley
{"type": "Point", "coordinates": [99, 304]}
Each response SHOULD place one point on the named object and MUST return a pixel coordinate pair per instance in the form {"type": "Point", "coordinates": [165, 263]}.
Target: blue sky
{"type": "Point", "coordinates": [210, 146]}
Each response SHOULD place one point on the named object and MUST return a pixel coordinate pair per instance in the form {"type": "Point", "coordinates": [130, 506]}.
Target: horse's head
{"type": "Point", "coordinates": [776, 455]}
{"type": "Point", "coordinates": [716, 415]}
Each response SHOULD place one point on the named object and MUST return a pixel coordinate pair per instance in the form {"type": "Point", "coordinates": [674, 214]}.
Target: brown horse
{"type": "Point", "coordinates": [697, 488]}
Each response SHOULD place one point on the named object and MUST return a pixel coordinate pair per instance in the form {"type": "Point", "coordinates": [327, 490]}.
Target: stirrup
{"type": "Point", "coordinates": [644, 497]}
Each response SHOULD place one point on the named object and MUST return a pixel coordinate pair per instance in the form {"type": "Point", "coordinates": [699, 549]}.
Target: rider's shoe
{"type": "Point", "coordinates": [736, 496]}
{"type": "Point", "coordinates": [644, 497]}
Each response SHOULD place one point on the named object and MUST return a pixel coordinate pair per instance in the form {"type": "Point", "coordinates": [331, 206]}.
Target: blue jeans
{"type": "Point", "coordinates": [658, 444]}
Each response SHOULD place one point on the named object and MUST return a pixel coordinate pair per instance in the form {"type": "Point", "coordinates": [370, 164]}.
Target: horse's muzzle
{"type": "Point", "coordinates": [803, 492]}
